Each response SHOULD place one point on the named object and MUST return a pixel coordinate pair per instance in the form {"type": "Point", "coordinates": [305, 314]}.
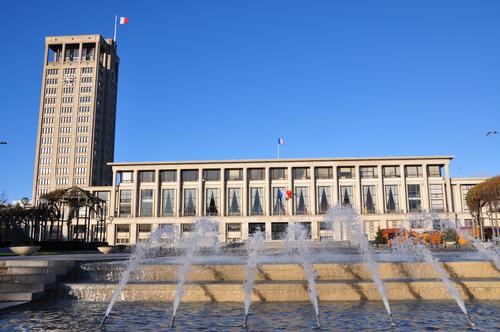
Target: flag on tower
{"type": "Point", "coordinates": [123, 20]}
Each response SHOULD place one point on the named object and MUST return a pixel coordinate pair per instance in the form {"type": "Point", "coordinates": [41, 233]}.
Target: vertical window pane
{"type": "Point", "coordinates": [369, 199]}
{"type": "Point", "coordinates": [256, 199]}
{"type": "Point", "coordinates": [323, 200]}
{"type": "Point", "coordinates": [391, 198]}
{"type": "Point", "coordinates": [301, 200]}
{"type": "Point", "coordinates": [234, 201]}
{"type": "Point", "coordinates": [125, 203]}
{"type": "Point", "coordinates": [212, 202]}
{"type": "Point", "coordinates": [437, 198]}
{"type": "Point", "coordinates": [168, 202]}
{"type": "Point", "coordinates": [414, 201]}
{"type": "Point", "coordinates": [346, 196]}
{"type": "Point", "coordinates": [189, 202]}
{"type": "Point", "coordinates": [146, 206]}
{"type": "Point", "coordinates": [279, 200]}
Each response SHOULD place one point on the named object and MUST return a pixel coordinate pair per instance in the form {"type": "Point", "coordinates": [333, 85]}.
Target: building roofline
{"type": "Point", "coordinates": [238, 161]}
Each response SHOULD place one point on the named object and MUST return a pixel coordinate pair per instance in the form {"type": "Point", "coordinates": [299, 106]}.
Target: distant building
{"type": "Point", "coordinates": [76, 127]}
{"type": "Point", "coordinates": [246, 195]}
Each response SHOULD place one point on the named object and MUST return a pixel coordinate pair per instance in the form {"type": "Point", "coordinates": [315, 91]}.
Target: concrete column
{"type": "Point", "coordinates": [244, 230]}
{"type": "Point", "coordinates": [380, 191]}
{"type": "Point", "coordinates": [289, 203]}
{"type": "Point", "coordinates": [268, 194]}
{"type": "Point", "coordinates": [201, 193]}
{"type": "Point", "coordinates": [336, 187]}
{"type": "Point", "coordinates": [112, 196]}
{"type": "Point", "coordinates": [223, 211]}
{"type": "Point", "coordinates": [312, 195]}
{"type": "Point", "coordinates": [178, 194]}
{"type": "Point", "coordinates": [449, 198]}
{"type": "Point", "coordinates": [402, 192]}
{"type": "Point", "coordinates": [426, 204]}
{"type": "Point", "coordinates": [245, 195]}
{"type": "Point", "coordinates": [314, 230]}
{"type": "Point", "coordinates": [133, 233]}
{"type": "Point", "coordinates": [157, 196]}
{"type": "Point", "coordinates": [135, 194]}
{"type": "Point", "coordinates": [358, 190]}
{"type": "Point", "coordinates": [110, 234]}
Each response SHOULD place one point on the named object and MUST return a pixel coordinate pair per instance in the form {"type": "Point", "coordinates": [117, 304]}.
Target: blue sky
{"type": "Point", "coordinates": [222, 79]}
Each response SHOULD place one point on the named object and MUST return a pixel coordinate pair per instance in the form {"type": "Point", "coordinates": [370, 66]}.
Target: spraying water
{"type": "Point", "coordinates": [489, 253]}
{"type": "Point", "coordinates": [351, 219]}
{"type": "Point", "coordinates": [255, 246]}
{"type": "Point", "coordinates": [205, 234]}
{"type": "Point", "coordinates": [135, 260]}
{"type": "Point", "coordinates": [297, 232]}
{"type": "Point", "coordinates": [409, 246]}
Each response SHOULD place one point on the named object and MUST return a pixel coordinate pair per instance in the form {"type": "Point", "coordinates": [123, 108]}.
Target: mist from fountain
{"type": "Point", "coordinates": [345, 215]}
{"type": "Point", "coordinates": [205, 235]}
{"type": "Point", "coordinates": [141, 249]}
{"type": "Point", "coordinates": [409, 249]}
{"type": "Point", "coordinates": [488, 253]}
{"type": "Point", "coordinates": [296, 233]}
{"type": "Point", "coordinates": [255, 247]}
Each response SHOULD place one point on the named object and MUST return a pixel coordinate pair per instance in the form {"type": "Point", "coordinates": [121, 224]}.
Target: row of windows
{"type": "Point", "coordinates": [45, 150]}
{"type": "Point", "coordinates": [52, 72]}
{"type": "Point", "coordinates": [51, 81]}
{"type": "Point", "coordinates": [300, 200]}
{"type": "Point", "coordinates": [298, 173]}
{"type": "Point", "coordinates": [50, 91]}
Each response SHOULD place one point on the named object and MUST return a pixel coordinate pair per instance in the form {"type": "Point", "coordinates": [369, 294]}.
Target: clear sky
{"type": "Point", "coordinates": [223, 79]}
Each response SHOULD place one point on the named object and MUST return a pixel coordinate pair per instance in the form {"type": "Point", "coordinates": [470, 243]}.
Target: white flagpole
{"type": "Point", "coordinates": [114, 35]}
{"type": "Point", "coordinates": [278, 150]}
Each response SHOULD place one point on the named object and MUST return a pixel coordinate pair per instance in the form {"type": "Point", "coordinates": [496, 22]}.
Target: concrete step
{"type": "Point", "coordinates": [20, 296]}
{"type": "Point", "coordinates": [36, 263]}
{"type": "Point", "coordinates": [25, 287]}
{"type": "Point", "coordinates": [58, 270]}
{"type": "Point", "coordinates": [27, 278]}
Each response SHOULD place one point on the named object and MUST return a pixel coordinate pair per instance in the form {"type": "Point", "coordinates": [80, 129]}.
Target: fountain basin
{"type": "Point", "coordinates": [285, 291]}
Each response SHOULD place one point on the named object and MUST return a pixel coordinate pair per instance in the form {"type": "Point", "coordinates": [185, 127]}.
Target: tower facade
{"type": "Point", "coordinates": [76, 125]}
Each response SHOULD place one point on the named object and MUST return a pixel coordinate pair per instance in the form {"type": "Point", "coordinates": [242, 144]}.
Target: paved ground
{"type": "Point", "coordinates": [73, 257]}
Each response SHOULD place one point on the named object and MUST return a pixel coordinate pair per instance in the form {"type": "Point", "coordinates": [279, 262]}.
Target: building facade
{"type": "Point", "coordinates": [245, 195]}
{"type": "Point", "coordinates": [76, 127]}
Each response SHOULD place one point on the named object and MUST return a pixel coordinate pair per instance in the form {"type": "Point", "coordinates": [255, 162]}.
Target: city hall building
{"type": "Point", "coordinates": [243, 196]}
{"type": "Point", "coordinates": [75, 147]}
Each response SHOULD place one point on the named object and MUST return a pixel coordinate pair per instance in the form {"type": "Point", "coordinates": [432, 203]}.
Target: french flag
{"type": "Point", "coordinates": [123, 20]}
{"type": "Point", "coordinates": [281, 141]}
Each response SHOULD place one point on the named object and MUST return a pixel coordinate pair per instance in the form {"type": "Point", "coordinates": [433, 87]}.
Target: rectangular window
{"type": "Point", "coordinates": [301, 200]}
{"type": "Point", "coordinates": [464, 190]}
{"type": "Point", "coordinates": [122, 234]}
{"type": "Point", "coordinates": [279, 201]}
{"type": "Point", "coordinates": [369, 199]}
{"type": "Point", "coordinates": [189, 175]}
{"type": "Point", "coordinates": [233, 227]}
{"type": "Point", "coordinates": [391, 198]}
{"type": "Point", "coordinates": [143, 232]}
{"type": "Point", "coordinates": [168, 176]}
{"type": "Point", "coordinates": [413, 171]}
{"type": "Point", "coordinates": [368, 172]}
{"type": "Point", "coordinates": [146, 176]}
{"type": "Point", "coordinates": [324, 199]}
{"type": "Point", "coordinates": [256, 199]}
{"type": "Point", "coordinates": [146, 206]}
{"type": "Point", "coordinates": [434, 171]}
{"type": "Point", "coordinates": [125, 203]}
{"type": "Point", "coordinates": [234, 201]}
{"type": "Point", "coordinates": [414, 200]}
{"type": "Point", "coordinates": [168, 202]}
{"type": "Point", "coordinates": [437, 198]}
{"type": "Point", "coordinates": [211, 174]}
{"type": "Point", "coordinates": [212, 202]}
{"type": "Point", "coordinates": [124, 177]}
{"type": "Point", "coordinates": [301, 173]}
{"type": "Point", "coordinates": [346, 172]}
{"type": "Point", "coordinates": [256, 174]}
{"type": "Point", "coordinates": [391, 171]}
{"type": "Point", "coordinates": [234, 174]}
{"type": "Point", "coordinates": [189, 206]}
{"type": "Point", "coordinates": [324, 172]}
{"type": "Point", "coordinates": [278, 230]}
{"type": "Point", "coordinates": [346, 195]}
{"type": "Point", "coordinates": [279, 173]}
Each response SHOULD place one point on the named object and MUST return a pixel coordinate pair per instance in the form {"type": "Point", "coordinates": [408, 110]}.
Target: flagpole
{"type": "Point", "coordinates": [278, 150]}
{"type": "Point", "coordinates": [114, 34]}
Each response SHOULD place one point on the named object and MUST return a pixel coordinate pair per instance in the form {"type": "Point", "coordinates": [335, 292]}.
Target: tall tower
{"type": "Point", "coordinates": [76, 126]}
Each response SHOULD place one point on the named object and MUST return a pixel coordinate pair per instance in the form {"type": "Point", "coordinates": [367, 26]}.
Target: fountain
{"type": "Point", "coordinates": [411, 249]}
{"type": "Point", "coordinates": [296, 232]}
{"type": "Point", "coordinates": [255, 247]}
{"type": "Point", "coordinates": [205, 234]}
{"type": "Point", "coordinates": [345, 215]}
{"type": "Point", "coordinates": [488, 253]}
